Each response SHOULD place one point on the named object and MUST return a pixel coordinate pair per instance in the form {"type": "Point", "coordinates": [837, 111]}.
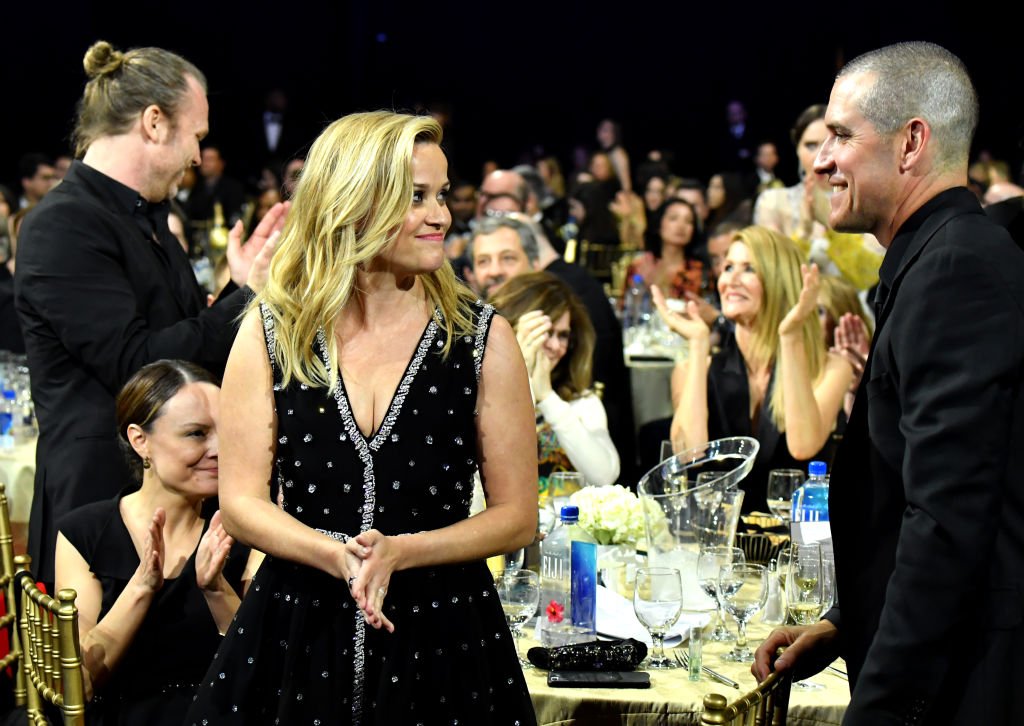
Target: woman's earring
{"type": "Point", "coordinates": [146, 463]}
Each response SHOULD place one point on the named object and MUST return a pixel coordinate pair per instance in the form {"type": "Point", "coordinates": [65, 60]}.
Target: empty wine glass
{"type": "Point", "coordinates": [744, 588]}
{"type": "Point", "coordinates": [781, 485]}
{"type": "Point", "coordinates": [519, 593]}
{"type": "Point", "coordinates": [657, 602]}
{"type": "Point", "coordinates": [709, 564]}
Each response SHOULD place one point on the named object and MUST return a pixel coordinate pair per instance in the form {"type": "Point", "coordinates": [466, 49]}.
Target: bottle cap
{"type": "Point", "coordinates": [638, 278]}
{"type": "Point", "coordinates": [9, 394]}
{"type": "Point", "coordinates": [817, 468]}
{"type": "Point", "coordinates": [570, 513]}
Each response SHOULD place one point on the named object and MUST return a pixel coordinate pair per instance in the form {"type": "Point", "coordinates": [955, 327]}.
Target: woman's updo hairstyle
{"type": "Point", "coordinates": [122, 85]}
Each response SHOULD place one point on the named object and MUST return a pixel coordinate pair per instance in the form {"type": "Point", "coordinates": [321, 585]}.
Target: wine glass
{"type": "Point", "coordinates": [514, 559]}
{"type": "Point", "coordinates": [806, 592]}
{"type": "Point", "coordinates": [709, 564]}
{"type": "Point", "coordinates": [803, 590]}
{"type": "Point", "coordinates": [519, 593]}
{"type": "Point", "coordinates": [666, 450]}
{"type": "Point", "coordinates": [658, 602]}
{"type": "Point", "coordinates": [782, 483]}
{"type": "Point", "coordinates": [563, 483]}
{"type": "Point", "coordinates": [744, 588]}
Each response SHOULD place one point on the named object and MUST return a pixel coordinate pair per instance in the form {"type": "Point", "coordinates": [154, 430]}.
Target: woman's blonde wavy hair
{"type": "Point", "coordinates": [352, 198]}
{"type": "Point", "coordinates": [777, 265]}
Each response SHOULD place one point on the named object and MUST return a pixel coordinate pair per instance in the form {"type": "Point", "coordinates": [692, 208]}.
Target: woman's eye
{"type": "Point", "coordinates": [417, 197]}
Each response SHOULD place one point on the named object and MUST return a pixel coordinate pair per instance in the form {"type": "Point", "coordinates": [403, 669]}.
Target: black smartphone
{"type": "Point", "coordinates": [599, 679]}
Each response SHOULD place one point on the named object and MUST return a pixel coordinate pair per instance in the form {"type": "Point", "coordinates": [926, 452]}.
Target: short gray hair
{"type": "Point", "coordinates": [925, 80]}
{"type": "Point", "coordinates": [518, 223]}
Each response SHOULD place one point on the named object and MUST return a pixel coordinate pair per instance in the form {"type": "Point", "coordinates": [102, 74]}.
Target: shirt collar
{"type": "Point", "coordinates": [123, 196]}
{"type": "Point", "coordinates": [900, 243]}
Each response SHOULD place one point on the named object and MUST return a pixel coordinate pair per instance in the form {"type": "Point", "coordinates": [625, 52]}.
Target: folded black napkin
{"type": "Point", "coordinates": [596, 655]}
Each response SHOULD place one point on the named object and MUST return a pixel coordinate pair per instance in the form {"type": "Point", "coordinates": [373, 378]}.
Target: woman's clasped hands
{"type": "Point", "coordinates": [371, 558]}
{"type": "Point", "coordinates": [532, 331]}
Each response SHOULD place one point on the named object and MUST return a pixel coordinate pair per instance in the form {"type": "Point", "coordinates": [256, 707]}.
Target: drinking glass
{"type": "Point", "coordinates": [563, 483]}
{"type": "Point", "coordinates": [744, 588]}
{"type": "Point", "coordinates": [709, 564]}
{"type": "Point", "coordinates": [519, 593]}
{"type": "Point", "coordinates": [666, 450]}
{"type": "Point", "coordinates": [782, 483]}
{"type": "Point", "coordinates": [657, 602]}
{"type": "Point", "coordinates": [514, 559]}
{"type": "Point", "coordinates": [803, 591]}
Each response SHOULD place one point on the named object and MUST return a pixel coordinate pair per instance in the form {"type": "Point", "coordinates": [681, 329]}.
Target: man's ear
{"type": "Point", "coordinates": [915, 138]}
{"type": "Point", "coordinates": [155, 124]}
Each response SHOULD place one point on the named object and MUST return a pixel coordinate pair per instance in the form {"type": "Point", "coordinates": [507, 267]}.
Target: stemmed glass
{"type": "Point", "coordinates": [806, 591]}
{"type": "Point", "coordinates": [658, 602]}
{"type": "Point", "coordinates": [744, 588]}
{"type": "Point", "coordinates": [803, 590]}
{"type": "Point", "coordinates": [519, 593]}
{"type": "Point", "coordinates": [782, 483]}
{"type": "Point", "coordinates": [709, 564]}
{"type": "Point", "coordinates": [514, 560]}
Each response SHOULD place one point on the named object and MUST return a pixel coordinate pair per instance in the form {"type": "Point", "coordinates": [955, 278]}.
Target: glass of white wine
{"type": "Point", "coordinates": [519, 593]}
{"type": "Point", "coordinates": [658, 602]}
{"type": "Point", "coordinates": [805, 591]}
{"type": "Point", "coordinates": [744, 589]}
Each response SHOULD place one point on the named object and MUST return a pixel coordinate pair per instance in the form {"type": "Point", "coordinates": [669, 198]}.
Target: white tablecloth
{"type": "Point", "coordinates": [17, 472]}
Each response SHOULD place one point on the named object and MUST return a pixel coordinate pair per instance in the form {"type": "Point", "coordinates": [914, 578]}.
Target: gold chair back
{"type": "Point", "coordinates": [760, 548]}
{"type": "Point", "coordinates": [52, 652]}
{"type": "Point", "coordinates": [764, 706]}
{"type": "Point", "coordinates": [9, 621]}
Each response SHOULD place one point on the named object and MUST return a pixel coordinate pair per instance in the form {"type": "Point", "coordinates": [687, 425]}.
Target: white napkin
{"type": "Point", "coordinates": [616, 619]}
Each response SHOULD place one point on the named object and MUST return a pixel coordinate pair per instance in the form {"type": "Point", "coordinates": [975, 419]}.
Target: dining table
{"type": "Point", "coordinates": [17, 472]}
{"type": "Point", "coordinates": [675, 700]}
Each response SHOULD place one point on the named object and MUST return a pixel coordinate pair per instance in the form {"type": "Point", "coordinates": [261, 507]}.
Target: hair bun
{"type": "Point", "coordinates": [101, 59]}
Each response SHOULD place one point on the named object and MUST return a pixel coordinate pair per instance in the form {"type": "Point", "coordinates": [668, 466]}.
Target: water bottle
{"type": "Point", "coordinates": [636, 307]}
{"type": "Point", "coordinates": [7, 418]}
{"type": "Point", "coordinates": [556, 624]}
{"type": "Point", "coordinates": [810, 502]}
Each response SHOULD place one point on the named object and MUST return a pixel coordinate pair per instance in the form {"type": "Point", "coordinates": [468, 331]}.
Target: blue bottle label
{"type": "Point", "coordinates": [584, 585]}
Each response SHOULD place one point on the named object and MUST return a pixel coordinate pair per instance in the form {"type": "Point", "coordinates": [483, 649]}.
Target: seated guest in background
{"type": "Point", "coordinates": [772, 378]}
{"type": "Point", "coordinates": [557, 341]}
{"type": "Point", "coordinates": [728, 199]}
{"type": "Point", "coordinates": [800, 212]}
{"type": "Point", "coordinates": [10, 329]}
{"type": "Point", "coordinates": [213, 187]}
{"type": "Point", "coordinates": [155, 586]}
{"type": "Point", "coordinates": [37, 178]}
{"type": "Point", "coordinates": [510, 245]}
{"type": "Point", "coordinates": [678, 270]}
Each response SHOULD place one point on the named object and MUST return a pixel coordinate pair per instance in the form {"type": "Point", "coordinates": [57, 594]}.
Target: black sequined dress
{"type": "Point", "coordinates": [299, 651]}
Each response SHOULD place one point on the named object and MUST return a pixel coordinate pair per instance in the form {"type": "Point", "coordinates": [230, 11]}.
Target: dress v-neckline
{"type": "Point", "coordinates": [376, 438]}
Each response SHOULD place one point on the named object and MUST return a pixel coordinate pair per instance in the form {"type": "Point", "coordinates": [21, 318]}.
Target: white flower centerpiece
{"type": "Point", "coordinates": [614, 517]}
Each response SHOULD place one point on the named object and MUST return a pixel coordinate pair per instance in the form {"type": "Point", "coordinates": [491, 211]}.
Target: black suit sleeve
{"type": "Point", "coordinates": [953, 366]}
{"type": "Point", "coordinates": [72, 275]}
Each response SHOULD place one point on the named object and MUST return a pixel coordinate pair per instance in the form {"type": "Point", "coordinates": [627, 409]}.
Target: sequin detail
{"type": "Point", "coordinates": [268, 333]}
{"type": "Point", "coordinates": [482, 326]}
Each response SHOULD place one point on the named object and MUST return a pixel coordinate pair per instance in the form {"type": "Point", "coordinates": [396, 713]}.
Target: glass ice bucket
{"type": "Point", "coordinates": [680, 517]}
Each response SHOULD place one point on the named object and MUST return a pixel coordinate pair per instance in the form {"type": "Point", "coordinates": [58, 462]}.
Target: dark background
{"type": "Point", "coordinates": [514, 76]}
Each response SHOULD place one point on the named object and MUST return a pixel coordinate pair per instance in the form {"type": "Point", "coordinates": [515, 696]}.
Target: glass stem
{"type": "Point", "coordinates": [721, 617]}
{"type": "Point", "coordinates": [517, 634]}
{"type": "Point", "coordinates": [741, 634]}
{"type": "Point", "coordinates": [658, 640]}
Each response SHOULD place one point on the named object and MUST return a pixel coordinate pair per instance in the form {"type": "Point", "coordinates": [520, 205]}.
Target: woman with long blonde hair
{"type": "Point", "coordinates": [370, 387]}
{"type": "Point", "coordinates": [772, 377]}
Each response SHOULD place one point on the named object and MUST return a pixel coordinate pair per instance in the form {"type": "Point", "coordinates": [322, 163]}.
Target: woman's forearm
{"type": "Point", "coordinates": [223, 602]}
{"type": "Point", "coordinates": [104, 645]}
{"type": "Point", "coordinates": [806, 432]}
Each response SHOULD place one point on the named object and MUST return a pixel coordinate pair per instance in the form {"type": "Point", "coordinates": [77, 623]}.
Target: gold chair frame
{"type": "Point", "coordinates": [9, 621]}
{"type": "Point", "coordinates": [766, 705]}
{"type": "Point", "coordinates": [52, 652]}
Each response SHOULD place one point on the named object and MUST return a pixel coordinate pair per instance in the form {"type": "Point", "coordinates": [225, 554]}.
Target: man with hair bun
{"type": "Point", "coordinates": [102, 287]}
{"type": "Point", "coordinates": [927, 497]}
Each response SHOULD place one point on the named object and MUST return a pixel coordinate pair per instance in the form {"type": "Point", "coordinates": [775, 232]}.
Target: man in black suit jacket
{"type": "Point", "coordinates": [927, 495]}
{"type": "Point", "coordinates": [102, 287]}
